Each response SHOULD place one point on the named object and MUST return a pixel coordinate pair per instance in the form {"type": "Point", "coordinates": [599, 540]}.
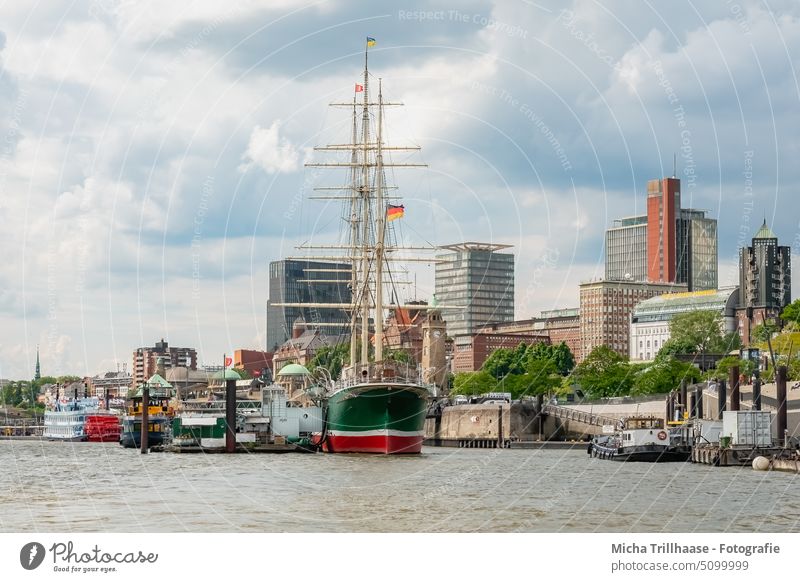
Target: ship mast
{"type": "Point", "coordinates": [354, 237]}
{"type": "Point", "coordinates": [365, 213]}
{"type": "Point", "coordinates": [380, 221]}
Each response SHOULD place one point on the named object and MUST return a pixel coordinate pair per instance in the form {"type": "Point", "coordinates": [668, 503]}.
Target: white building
{"type": "Point", "coordinates": [649, 326]}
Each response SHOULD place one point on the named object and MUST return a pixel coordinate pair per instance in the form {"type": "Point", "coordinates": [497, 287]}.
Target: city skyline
{"type": "Point", "coordinates": [152, 159]}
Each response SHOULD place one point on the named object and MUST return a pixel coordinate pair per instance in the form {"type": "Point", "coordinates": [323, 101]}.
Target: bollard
{"type": "Point", "coordinates": [757, 393]}
{"type": "Point", "coordinates": [780, 396]}
{"type": "Point", "coordinates": [722, 396]}
{"type": "Point", "coordinates": [693, 404]}
{"type": "Point", "coordinates": [733, 380]}
{"type": "Point", "coordinates": [144, 440]}
{"type": "Point", "coordinates": [230, 416]}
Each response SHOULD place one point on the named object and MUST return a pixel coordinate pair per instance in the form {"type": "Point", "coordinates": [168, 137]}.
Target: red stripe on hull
{"type": "Point", "coordinates": [381, 444]}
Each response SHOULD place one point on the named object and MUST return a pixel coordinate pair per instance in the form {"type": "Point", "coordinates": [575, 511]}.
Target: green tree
{"type": "Point", "coordinates": [505, 361]}
{"type": "Point", "coordinates": [332, 358]}
{"type": "Point", "coordinates": [245, 375]}
{"type": "Point", "coordinates": [673, 347]}
{"type": "Point", "coordinates": [791, 313]}
{"type": "Point", "coordinates": [702, 330]}
{"type": "Point", "coordinates": [468, 383]}
{"type": "Point", "coordinates": [604, 373]}
{"type": "Point", "coordinates": [663, 375]}
{"type": "Point", "coordinates": [746, 367]}
{"type": "Point", "coordinates": [560, 354]}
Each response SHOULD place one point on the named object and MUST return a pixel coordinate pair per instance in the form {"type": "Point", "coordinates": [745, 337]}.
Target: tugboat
{"type": "Point", "coordinates": [159, 411]}
{"type": "Point", "coordinates": [641, 439]}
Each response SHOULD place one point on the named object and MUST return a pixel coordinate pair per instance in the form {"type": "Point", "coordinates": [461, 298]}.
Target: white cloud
{"type": "Point", "coordinates": [270, 151]}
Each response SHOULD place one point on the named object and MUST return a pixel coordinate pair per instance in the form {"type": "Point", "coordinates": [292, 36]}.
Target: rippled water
{"type": "Point", "coordinates": [102, 487]}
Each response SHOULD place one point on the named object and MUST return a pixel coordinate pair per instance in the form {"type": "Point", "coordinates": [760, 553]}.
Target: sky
{"type": "Point", "coordinates": [152, 153]}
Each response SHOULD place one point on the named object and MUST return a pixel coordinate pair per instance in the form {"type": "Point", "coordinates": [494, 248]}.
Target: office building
{"type": "Point", "coordinates": [480, 280]}
{"type": "Point", "coordinates": [605, 310]}
{"type": "Point", "coordinates": [765, 280]}
{"type": "Point", "coordinates": [145, 360]}
{"type": "Point", "coordinates": [556, 325]}
{"type": "Point", "coordinates": [669, 244]}
{"type": "Point", "coordinates": [303, 281]}
{"type": "Point", "coordinates": [626, 249]}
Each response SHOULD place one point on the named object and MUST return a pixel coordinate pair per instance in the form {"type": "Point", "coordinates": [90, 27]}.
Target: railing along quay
{"type": "Point", "coordinates": [589, 418]}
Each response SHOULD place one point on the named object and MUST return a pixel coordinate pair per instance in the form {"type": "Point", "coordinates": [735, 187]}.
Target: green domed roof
{"type": "Point", "coordinates": [227, 375]}
{"type": "Point", "coordinates": [294, 370]}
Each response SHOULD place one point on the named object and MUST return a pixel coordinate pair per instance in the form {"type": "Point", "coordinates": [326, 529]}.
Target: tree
{"type": "Point", "coordinates": [332, 358]}
{"type": "Point", "coordinates": [468, 383]}
{"type": "Point", "coordinates": [702, 330]}
{"type": "Point", "coordinates": [791, 313]}
{"type": "Point", "coordinates": [663, 375]}
{"type": "Point", "coordinates": [604, 373]}
{"type": "Point", "coordinates": [673, 347]}
{"type": "Point", "coordinates": [505, 361]}
{"type": "Point", "coordinates": [244, 374]}
{"type": "Point", "coordinates": [746, 367]}
{"type": "Point", "coordinates": [560, 354]}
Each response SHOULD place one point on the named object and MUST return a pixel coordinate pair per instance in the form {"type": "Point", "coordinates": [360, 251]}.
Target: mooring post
{"type": "Point", "coordinates": [144, 435]}
{"type": "Point", "coordinates": [684, 399]}
{"type": "Point", "coordinates": [500, 427]}
{"type": "Point", "coordinates": [693, 404]}
{"type": "Point", "coordinates": [670, 407]}
{"type": "Point", "coordinates": [757, 392]}
{"type": "Point", "coordinates": [733, 380]}
{"type": "Point", "coordinates": [699, 391]}
{"type": "Point", "coordinates": [780, 396]}
{"type": "Point", "coordinates": [230, 416]}
{"type": "Point", "coordinates": [722, 396]}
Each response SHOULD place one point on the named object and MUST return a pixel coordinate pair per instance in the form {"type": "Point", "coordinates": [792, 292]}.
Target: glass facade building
{"type": "Point", "coordinates": [300, 281]}
{"type": "Point", "coordinates": [478, 278]}
{"type": "Point", "coordinates": [626, 250]}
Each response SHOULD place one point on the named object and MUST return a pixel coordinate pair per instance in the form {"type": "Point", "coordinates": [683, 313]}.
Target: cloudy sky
{"type": "Point", "coordinates": [152, 152]}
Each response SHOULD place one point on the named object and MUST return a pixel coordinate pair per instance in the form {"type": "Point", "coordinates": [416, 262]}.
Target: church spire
{"type": "Point", "coordinates": [38, 373]}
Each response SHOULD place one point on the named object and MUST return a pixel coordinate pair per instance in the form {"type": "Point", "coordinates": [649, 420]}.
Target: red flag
{"type": "Point", "coordinates": [228, 361]}
{"type": "Point", "coordinates": [359, 88]}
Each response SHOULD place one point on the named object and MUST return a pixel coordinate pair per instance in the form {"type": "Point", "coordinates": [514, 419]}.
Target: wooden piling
{"type": "Point", "coordinates": [230, 416]}
{"type": "Point", "coordinates": [780, 396]}
{"type": "Point", "coordinates": [733, 380]}
{"type": "Point", "coordinates": [722, 398]}
{"type": "Point", "coordinates": [144, 435]}
{"type": "Point", "coordinates": [757, 393]}
{"type": "Point", "coordinates": [500, 427]}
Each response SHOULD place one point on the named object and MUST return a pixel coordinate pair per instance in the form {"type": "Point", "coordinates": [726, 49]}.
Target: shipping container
{"type": "Point", "coordinates": [752, 428]}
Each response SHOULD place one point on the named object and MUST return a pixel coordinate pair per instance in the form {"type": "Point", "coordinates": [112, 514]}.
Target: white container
{"type": "Point", "coordinates": [752, 428]}
{"type": "Point", "coordinates": [709, 431]}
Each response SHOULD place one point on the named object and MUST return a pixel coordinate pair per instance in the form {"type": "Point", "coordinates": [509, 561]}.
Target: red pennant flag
{"type": "Point", "coordinates": [228, 362]}
{"type": "Point", "coordinates": [359, 88]}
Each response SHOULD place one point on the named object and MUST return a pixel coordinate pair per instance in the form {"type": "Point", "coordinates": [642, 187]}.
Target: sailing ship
{"type": "Point", "coordinates": [377, 405]}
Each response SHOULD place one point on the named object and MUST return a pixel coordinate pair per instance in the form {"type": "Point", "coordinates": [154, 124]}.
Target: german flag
{"type": "Point", "coordinates": [395, 212]}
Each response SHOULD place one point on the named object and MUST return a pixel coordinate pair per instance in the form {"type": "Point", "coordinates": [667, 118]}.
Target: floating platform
{"type": "Point", "coordinates": [733, 456]}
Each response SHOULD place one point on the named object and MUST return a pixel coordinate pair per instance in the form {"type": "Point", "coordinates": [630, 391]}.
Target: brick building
{"type": "Point", "coordinates": [145, 360]}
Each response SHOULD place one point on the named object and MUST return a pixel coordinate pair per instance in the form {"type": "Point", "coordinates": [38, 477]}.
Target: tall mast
{"type": "Point", "coordinates": [380, 218]}
{"type": "Point", "coordinates": [365, 212]}
{"type": "Point", "coordinates": [354, 239]}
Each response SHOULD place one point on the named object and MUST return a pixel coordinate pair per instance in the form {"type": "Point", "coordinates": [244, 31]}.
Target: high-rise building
{"type": "Point", "coordinates": [697, 250]}
{"type": "Point", "coordinates": [302, 281]}
{"type": "Point", "coordinates": [145, 360]}
{"type": "Point", "coordinates": [669, 244]}
{"type": "Point", "coordinates": [605, 311]}
{"type": "Point", "coordinates": [765, 280]}
{"type": "Point", "coordinates": [626, 249]}
{"type": "Point", "coordinates": [663, 202]}
{"type": "Point", "coordinates": [480, 280]}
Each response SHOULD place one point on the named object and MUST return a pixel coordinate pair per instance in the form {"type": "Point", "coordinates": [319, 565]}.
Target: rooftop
{"type": "Point", "coordinates": [765, 231]}
{"type": "Point", "coordinates": [663, 307]}
{"type": "Point", "coordinates": [475, 246]}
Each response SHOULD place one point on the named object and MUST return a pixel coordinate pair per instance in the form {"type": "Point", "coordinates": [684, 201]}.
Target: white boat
{"type": "Point", "coordinates": [66, 421]}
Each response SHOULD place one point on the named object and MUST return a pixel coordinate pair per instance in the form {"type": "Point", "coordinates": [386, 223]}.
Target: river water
{"type": "Point", "coordinates": [88, 487]}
